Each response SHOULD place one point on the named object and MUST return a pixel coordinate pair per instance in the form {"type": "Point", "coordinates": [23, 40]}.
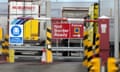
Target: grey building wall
{"type": "Point", "coordinates": [56, 7]}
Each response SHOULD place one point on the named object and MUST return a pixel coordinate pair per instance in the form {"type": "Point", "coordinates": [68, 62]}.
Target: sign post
{"type": "Point", "coordinates": [104, 38]}
{"type": "Point", "coordinates": [116, 17]}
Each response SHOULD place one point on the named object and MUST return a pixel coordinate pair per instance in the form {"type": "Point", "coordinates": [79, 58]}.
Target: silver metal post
{"type": "Point", "coordinates": [116, 15]}
{"type": "Point", "coordinates": [48, 11]}
{"type": "Point", "coordinates": [57, 47]}
{"type": "Point", "coordinates": [103, 69]}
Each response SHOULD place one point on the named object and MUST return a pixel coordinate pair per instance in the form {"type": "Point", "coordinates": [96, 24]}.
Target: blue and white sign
{"type": "Point", "coordinates": [16, 34]}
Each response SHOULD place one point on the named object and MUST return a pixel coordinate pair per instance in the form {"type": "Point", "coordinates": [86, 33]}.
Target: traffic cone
{"type": "Point", "coordinates": [43, 60]}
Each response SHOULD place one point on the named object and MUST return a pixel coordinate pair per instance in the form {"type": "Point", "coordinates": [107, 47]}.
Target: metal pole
{"type": "Point", "coordinates": [116, 15]}
{"type": "Point", "coordinates": [103, 69]}
{"type": "Point", "coordinates": [48, 11]}
{"type": "Point", "coordinates": [69, 19]}
{"type": "Point", "coordinates": [101, 7]}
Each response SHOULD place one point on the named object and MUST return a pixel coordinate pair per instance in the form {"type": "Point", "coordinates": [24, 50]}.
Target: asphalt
{"type": "Point", "coordinates": [37, 66]}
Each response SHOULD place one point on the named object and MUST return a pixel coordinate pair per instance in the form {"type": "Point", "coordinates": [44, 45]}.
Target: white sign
{"type": "Point", "coordinates": [103, 28]}
{"type": "Point", "coordinates": [21, 8]}
{"type": "Point", "coordinates": [16, 34]}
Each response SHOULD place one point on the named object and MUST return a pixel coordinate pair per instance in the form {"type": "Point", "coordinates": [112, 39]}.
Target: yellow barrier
{"type": "Point", "coordinates": [1, 33]}
{"type": "Point", "coordinates": [85, 43]}
{"type": "Point", "coordinates": [34, 32]}
{"type": "Point", "coordinates": [111, 65]}
{"type": "Point", "coordinates": [11, 57]}
{"type": "Point", "coordinates": [27, 30]}
{"type": "Point", "coordinates": [49, 56]}
{"type": "Point", "coordinates": [31, 30]}
{"type": "Point", "coordinates": [48, 43]}
{"type": "Point", "coordinates": [94, 65]}
{"type": "Point", "coordinates": [97, 45]}
{"type": "Point", "coordinates": [90, 52]}
{"type": "Point", "coordinates": [5, 48]}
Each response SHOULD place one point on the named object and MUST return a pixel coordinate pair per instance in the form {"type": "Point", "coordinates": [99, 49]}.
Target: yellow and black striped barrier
{"type": "Point", "coordinates": [96, 10]}
{"type": "Point", "coordinates": [97, 45]}
{"type": "Point", "coordinates": [49, 36]}
{"type": "Point", "coordinates": [91, 38]}
{"type": "Point", "coordinates": [6, 52]}
{"type": "Point", "coordinates": [5, 48]}
{"type": "Point", "coordinates": [5, 45]}
{"type": "Point", "coordinates": [95, 65]}
{"type": "Point", "coordinates": [49, 58]}
{"type": "Point", "coordinates": [85, 43]}
{"type": "Point", "coordinates": [88, 50]}
{"type": "Point", "coordinates": [90, 53]}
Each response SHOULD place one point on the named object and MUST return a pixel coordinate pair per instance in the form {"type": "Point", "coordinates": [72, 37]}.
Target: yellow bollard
{"type": "Point", "coordinates": [0, 50]}
{"type": "Point", "coordinates": [85, 43]}
{"type": "Point", "coordinates": [95, 65]}
{"type": "Point", "coordinates": [11, 57]}
{"type": "Point", "coordinates": [97, 45]}
{"type": "Point", "coordinates": [112, 65]}
{"type": "Point", "coordinates": [49, 56]}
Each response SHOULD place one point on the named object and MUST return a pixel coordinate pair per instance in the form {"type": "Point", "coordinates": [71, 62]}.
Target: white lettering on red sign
{"type": "Point", "coordinates": [24, 7]}
{"type": "Point", "coordinates": [76, 25]}
{"type": "Point", "coordinates": [61, 31]}
{"type": "Point", "coordinates": [60, 35]}
{"type": "Point", "coordinates": [58, 31]}
{"type": "Point", "coordinates": [57, 26]}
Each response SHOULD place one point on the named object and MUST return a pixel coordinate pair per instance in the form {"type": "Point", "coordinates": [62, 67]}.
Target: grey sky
{"type": "Point", "coordinates": [3, 0]}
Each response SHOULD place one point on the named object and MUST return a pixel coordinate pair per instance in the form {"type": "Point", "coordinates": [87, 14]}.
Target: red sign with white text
{"type": "Point", "coordinates": [60, 30]}
{"type": "Point", "coordinates": [76, 31]}
{"type": "Point", "coordinates": [67, 30]}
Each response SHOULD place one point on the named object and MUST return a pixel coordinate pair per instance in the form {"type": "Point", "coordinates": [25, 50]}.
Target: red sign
{"type": "Point", "coordinates": [76, 31]}
{"type": "Point", "coordinates": [104, 39]}
{"type": "Point", "coordinates": [66, 30]}
{"type": "Point", "coordinates": [60, 31]}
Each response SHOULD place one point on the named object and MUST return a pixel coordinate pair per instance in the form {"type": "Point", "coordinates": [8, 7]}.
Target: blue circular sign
{"type": "Point", "coordinates": [76, 30]}
{"type": "Point", "coordinates": [15, 30]}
